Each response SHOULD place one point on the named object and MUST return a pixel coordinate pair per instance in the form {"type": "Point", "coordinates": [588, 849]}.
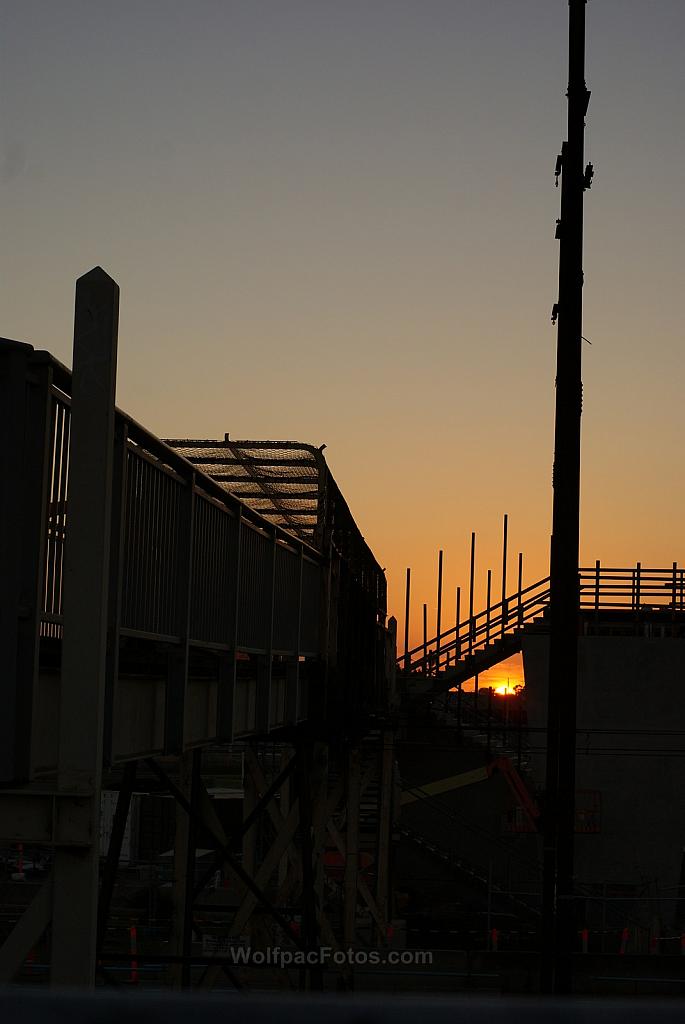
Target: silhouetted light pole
{"type": "Point", "coordinates": [558, 901]}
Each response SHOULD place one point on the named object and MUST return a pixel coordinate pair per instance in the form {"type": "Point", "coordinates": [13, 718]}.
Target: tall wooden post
{"type": "Point", "coordinates": [558, 903]}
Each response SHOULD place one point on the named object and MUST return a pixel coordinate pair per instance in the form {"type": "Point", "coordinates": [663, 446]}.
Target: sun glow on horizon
{"type": "Point", "coordinates": [507, 689]}
{"type": "Point", "coordinates": [504, 679]}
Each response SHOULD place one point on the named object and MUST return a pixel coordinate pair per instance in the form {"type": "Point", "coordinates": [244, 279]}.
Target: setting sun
{"type": "Point", "coordinates": [503, 678]}
{"type": "Point", "coordinates": [505, 689]}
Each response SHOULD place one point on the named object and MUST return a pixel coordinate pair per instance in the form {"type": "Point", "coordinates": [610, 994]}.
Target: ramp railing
{"type": "Point", "coordinates": [632, 594]}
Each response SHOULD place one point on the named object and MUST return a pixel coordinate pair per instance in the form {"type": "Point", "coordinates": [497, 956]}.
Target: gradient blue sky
{"type": "Point", "coordinates": [334, 221]}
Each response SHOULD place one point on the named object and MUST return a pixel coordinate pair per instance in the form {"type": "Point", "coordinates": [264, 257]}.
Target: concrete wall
{"type": "Point", "coordinates": [633, 684]}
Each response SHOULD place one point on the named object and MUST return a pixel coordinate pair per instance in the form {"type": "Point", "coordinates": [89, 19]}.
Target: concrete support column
{"type": "Point", "coordinates": [84, 646]}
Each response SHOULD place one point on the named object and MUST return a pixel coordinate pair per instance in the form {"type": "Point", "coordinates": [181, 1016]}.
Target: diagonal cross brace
{"type": "Point", "coordinates": [226, 853]}
{"type": "Point", "coordinates": [26, 933]}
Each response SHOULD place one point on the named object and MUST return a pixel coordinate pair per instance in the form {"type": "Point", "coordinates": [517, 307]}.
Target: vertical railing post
{"type": "Point", "coordinates": [471, 577]}
{"type": "Point", "coordinates": [504, 573]}
{"type": "Point", "coordinates": [227, 663]}
{"type": "Point", "coordinates": [520, 587]}
{"type": "Point", "coordinates": [505, 727]}
{"type": "Point", "coordinates": [439, 615]}
{"type": "Point", "coordinates": [674, 593]}
{"type": "Point", "coordinates": [489, 725]}
{"type": "Point", "coordinates": [298, 703]}
{"type": "Point", "coordinates": [407, 593]}
{"type": "Point", "coordinates": [597, 587]}
{"type": "Point", "coordinates": [425, 639]}
{"type": "Point", "coordinates": [177, 682]}
{"type": "Point", "coordinates": [265, 661]}
{"type": "Point", "coordinates": [292, 670]}
{"type": "Point", "coordinates": [457, 635]}
{"type": "Point", "coordinates": [638, 572]}
{"type": "Point", "coordinates": [487, 613]}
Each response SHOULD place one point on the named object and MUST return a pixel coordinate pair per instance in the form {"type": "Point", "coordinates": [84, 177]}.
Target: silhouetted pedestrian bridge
{"type": "Point", "coordinates": [241, 592]}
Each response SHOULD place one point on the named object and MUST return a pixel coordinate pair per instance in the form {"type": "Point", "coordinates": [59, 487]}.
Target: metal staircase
{"type": "Point", "coordinates": [479, 641]}
{"type": "Point", "coordinates": [639, 600]}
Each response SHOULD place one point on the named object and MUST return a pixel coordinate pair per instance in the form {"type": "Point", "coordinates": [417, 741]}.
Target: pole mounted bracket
{"type": "Point", "coordinates": [559, 165]}
{"type": "Point", "coordinates": [588, 176]}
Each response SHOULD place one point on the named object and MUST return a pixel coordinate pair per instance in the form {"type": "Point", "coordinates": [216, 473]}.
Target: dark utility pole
{"type": "Point", "coordinates": [558, 902]}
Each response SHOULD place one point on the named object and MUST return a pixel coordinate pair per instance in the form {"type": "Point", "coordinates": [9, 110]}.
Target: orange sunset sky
{"type": "Point", "coordinates": [334, 222]}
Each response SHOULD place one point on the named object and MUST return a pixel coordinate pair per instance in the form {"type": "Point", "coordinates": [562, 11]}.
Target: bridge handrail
{"type": "Point", "coordinates": [158, 489]}
{"type": "Point", "coordinates": [170, 459]}
{"type": "Point", "coordinates": [513, 599]}
{"type": "Point", "coordinates": [493, 623]}
{"type": "Point", "coordinates": [610, 588]}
